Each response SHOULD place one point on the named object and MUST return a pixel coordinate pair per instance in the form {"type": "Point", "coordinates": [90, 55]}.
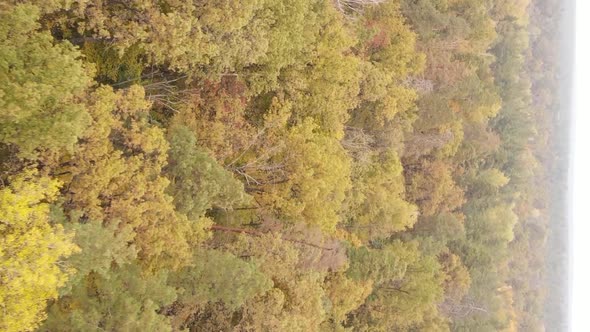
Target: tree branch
{"type": "Point", "coordinates": [220, 228]}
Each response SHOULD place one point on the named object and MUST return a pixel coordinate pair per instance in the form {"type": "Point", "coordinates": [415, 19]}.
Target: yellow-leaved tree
{"type": "Point", "coordinates": [31, 251]}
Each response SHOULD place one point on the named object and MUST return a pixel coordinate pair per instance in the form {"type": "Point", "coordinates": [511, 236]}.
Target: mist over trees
{"type": "Point", "coordinates": [277, 165]}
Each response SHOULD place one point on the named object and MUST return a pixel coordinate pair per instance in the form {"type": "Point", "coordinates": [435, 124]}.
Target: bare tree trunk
{"type": "Point", "coordinates": [220, 228]}
{"type": "Point", "coordinates": [349, 7]}
{"type": "Point", "coordinates": [461, 309]}
{"type": "Point", "coordinates": [397, 290]}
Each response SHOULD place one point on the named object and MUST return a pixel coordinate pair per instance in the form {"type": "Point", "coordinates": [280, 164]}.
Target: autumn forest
{"type": "Point", "coordinates": [277, 165]}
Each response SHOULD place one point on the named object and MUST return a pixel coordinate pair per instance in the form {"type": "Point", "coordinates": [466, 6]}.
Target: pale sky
{"type": "Point", "coordinates": [580, 296]}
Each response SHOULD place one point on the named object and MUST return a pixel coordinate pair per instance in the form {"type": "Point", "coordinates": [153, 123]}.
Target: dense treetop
{"type": "Point", "coordinates": [274, 165]}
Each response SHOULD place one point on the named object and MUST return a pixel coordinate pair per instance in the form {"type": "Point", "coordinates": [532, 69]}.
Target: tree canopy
{"type": "Point", "coordinates": [275, 165]}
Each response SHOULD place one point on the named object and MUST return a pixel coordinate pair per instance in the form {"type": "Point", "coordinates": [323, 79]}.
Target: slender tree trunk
{"type": "Point", "coordinates": [220, 228]}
